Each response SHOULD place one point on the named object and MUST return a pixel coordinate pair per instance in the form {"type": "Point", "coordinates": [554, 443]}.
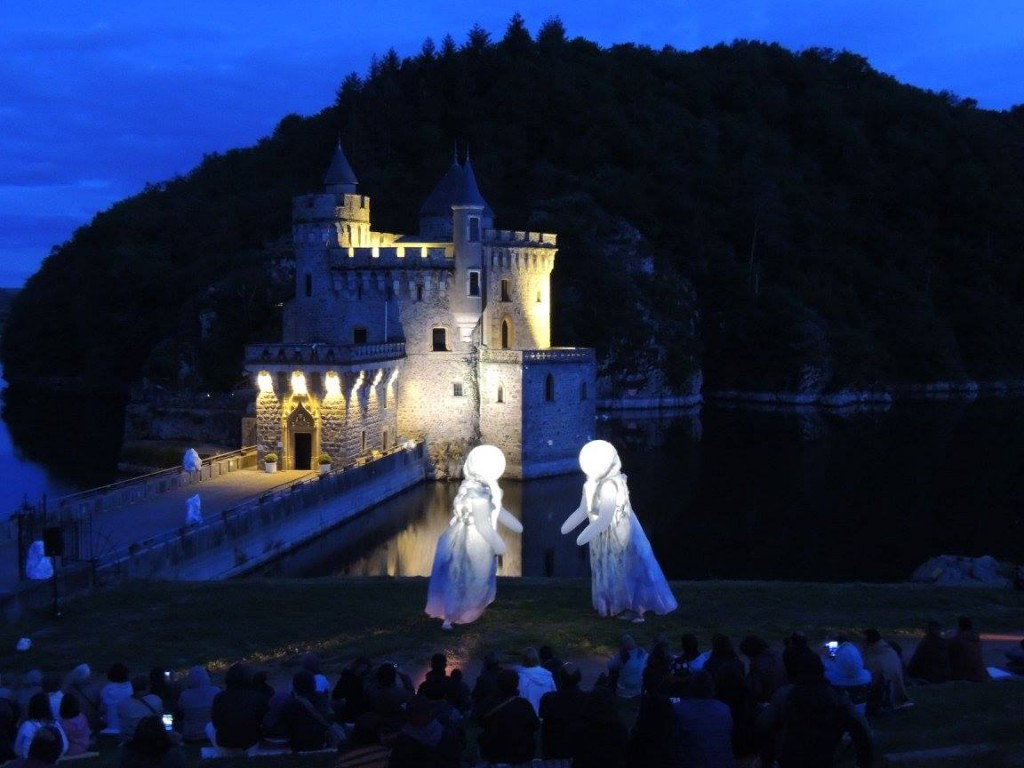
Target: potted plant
{"type": "Point", "coordinates": [325, 463]}
{"type": "Point", "coordinates": [270, 462]}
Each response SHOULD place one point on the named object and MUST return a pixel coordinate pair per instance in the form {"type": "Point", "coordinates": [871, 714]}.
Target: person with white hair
{"type": "Point", "coordinates": [627, 579]}
{"type": "Point", "coordinates": [463, 579]}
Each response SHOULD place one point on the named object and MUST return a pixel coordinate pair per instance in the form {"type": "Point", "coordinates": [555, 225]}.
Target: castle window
{"type": "Point", "coordinates": [359, 335]}
{"type": "Point", "coordinates": [456, 389]}
{"type": "Point", "coordinates": [439, 339]}
{"type": "Point", "coordinates": [384, 397]}
{"type": "Point", "coordinates": [419, 292]}
{"type": "Point", "coordinates": [474, 229]}
{"type": "Point", "coordinates": [583, 391]}
{"type": "Point", "coordinates": [474, 282]}
{"type": "Point", "coordinates": [309, 284]}
{"type": "Point", "coordinates": [539, 297]}
{"type": "Point", "coordinates": [549, 388]}
{"type": "Point", "coordinates": [506, 334]}
{"type": "Point", "coordinates": [384, 440]}
{"type": "Point", "coordinates": [505, 295]}
{"type": "Point", "coordinates": [501, 393]}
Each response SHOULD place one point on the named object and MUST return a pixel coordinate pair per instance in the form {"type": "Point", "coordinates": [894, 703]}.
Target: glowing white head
{"type": "Point", "coordinates": [485, 463]}
{"type": "Point", "coordinates": [598, 459]}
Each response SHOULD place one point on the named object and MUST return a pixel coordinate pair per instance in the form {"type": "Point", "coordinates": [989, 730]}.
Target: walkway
{"type": "Point", "coordinates": [117, 528]}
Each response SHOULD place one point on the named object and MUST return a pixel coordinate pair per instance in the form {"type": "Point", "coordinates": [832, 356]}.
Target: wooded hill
{"type": "Point", "coordinates": [811, 223]}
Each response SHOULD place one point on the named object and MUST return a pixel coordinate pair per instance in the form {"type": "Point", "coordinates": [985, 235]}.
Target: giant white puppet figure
{"type": "Point", "coordinates": [463, 579]}
{"type": "Point", "coordinates": [626, 578]}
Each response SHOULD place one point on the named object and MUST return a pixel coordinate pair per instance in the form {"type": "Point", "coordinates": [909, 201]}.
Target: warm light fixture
{"type": "Point", "coordinates": [378, 377]}
{"type": "Point", "coordinates": [265, 382]}
{"type": "Point", "coordinates": [359, 382]}
{"type": "Point", "coordinates": [394, 377]}
{"type": "Point", "coordinates": [332, 384]}
{"type": "Point", "coordinates": [299, 384]}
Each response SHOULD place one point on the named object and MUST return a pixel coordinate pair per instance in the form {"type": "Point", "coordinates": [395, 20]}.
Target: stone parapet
{"type": "Point", "coordinates": [269, 355]}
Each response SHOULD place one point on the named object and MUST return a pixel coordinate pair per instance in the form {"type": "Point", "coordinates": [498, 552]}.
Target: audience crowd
{"type": "Point", "coordinates": [750, 704]}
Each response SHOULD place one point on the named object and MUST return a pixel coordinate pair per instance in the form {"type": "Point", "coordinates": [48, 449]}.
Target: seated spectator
{"type": "Point", "coordinates": [815, 715]}
{"type": "Point", "coordinates": [192, 713]}
{"type": "Point", "coordinates": [113, 693]}
{"type": "Point", "coordinates": [151, 746]}
{"type": "Point", "coordinates": [550, 662]}
{"type": "Point", "coordinates": [364, 747]}
{"type": "Point", "coordinates": [930, 661]}
{"type": "Point", "coordinates": [31, 684]}
{"type": "Point", "coordinates": [424, 742]}
{"type": "Point", "coordinates": [237, 712]}
{"type": "Point", "coordinates": [322, 696]}
{"type": "Point", "coordinates": [486, 687]}
{"type": "Point", "coordinates": [649, 736]}
{"type": "Point", "coordinates": [765, 671]}
{"type": "Point", "coordinates": [691, 659]}
{"type": "Point", "coordinates": [260, 683]}
{"type": "Point", "coordinates": [438, 670]}
{"type": "Point", "coordinates": [966, 661]}
{"type": "Point", "coordinates": [534, 680]}
{"type": "Point", "coordinates": [140, 704]}
{"type": "Point", "coordinates": [457, 693]}
{"type": "Point", "coordinates": [350, 698]}
{"type": "Point", "coordinates": [847, 673]}
{"type": "Point", "coordinates": [601, 741]}
{"type": "Point", "coordinates": [702, 729]}
{"type": "Point", "coordinates": [888, 689]}
{"type": "Point", "coordinates": [722, 654]}
{"type": "Point", "coordinates": [388, 699]}
{"type": "Point", "coordinates": [164, 683]}
{"type": "Point", "coordinates": [560, 714]}
{"type": "Point", "coordinates": [796, 647]}
{"type": "Point", "coordinates": [658, 668]}
{"type": "Point", "coordinates": [82, 685]}
{"type": "Point", "coordinates": [509, 723]}
{"type": "Point", "coordinates": [298, 723]}
{"type": "Point", "coordinates": [38, 715]}
{"type": "Point", "coordinates": [9, 714]}
{"type": "Point", "coordinates": [44, 751]}
{"type": "Point", "coordinates": [626, 669]}
{"type": "Point", "coordinates": [75, 725]}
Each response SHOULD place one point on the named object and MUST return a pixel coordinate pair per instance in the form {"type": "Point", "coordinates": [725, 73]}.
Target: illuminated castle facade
{"type": "Point", "coordinates": [442, 336]}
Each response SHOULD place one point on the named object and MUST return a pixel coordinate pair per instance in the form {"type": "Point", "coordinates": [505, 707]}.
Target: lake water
{"type": "Point", "coordinates": [726, 493]}
{"type": "Point", "coordinates": [744, 494]}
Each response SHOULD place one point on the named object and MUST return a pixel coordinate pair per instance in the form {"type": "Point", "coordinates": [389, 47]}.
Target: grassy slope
{"type": "Point", "coordinates": [273, 622]}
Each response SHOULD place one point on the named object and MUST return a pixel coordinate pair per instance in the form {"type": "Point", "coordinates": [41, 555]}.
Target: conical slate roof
{"type": "Point", "coordinates": [439, 202]}
{"type": "Point", "coordinates": [468, 193]}
{"type": "Point", "coordinates": [340, 173]}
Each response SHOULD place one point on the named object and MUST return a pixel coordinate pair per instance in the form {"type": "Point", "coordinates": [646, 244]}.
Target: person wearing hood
{"type": "Point", "coordinates": [423, 741]}
{"type": "Point", "coordinates": [534, 680]}
{"type": "Point", "coordinates": [847, 673]}
{"type": "Point", "coordinates": [965, 657]}
{"type": "Point", "coordinates": [192, 712]}
{"type": "Point", "coordinates": [81, 684]}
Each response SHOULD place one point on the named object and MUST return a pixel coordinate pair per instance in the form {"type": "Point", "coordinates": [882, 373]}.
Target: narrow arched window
{"type": "Point", "coordinates": [583, 391]}
{"type": "Point", "coordinates": [506, 335]}
{"type": "Point", "coordinates": [501, 393]}
{"type": "Point", "coordinates": [549, 388]}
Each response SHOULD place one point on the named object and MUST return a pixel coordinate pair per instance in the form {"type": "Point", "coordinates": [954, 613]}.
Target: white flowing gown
{"type": "Point", "coordinates": [463, 579]}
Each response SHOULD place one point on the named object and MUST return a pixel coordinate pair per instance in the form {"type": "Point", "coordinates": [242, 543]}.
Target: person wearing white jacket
{"type": "Point", "coordinates": [534, 680]}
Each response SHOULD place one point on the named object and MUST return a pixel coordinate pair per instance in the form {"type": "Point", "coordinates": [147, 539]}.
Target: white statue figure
{"type": "Point", "coordinates": [193, 511]}
{"type": "Point", "coordinates": [191, 462]}
{"type": "Point", "coordinates": [626, 577]}
{"type": "Point", "coordinates": [463, 578]}
{"type": "Point", "coordinates": [37, 564]}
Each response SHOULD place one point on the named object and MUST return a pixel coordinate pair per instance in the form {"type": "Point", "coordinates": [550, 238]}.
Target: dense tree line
{"type": "Point", "coordinates": [776, 219]}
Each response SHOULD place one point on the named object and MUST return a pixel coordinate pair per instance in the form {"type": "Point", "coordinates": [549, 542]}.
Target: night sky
{"type": "Point", "coordinates": [99, 98]}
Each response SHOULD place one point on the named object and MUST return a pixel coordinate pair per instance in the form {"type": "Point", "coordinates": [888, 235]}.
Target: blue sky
{"type": "Point", "coordinates": [98, 98]}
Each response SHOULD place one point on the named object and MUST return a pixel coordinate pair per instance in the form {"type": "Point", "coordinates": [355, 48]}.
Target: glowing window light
{"type": "Point", "coordinates": [265, 382]}
{"type": "Point", "coordinates": [299, 384]}
{"type": "Point", "coordinates": [332, 384]}
{"type": "Point", "coordinates": [394, 377]}
{"type": "Point", "coordinates": [378, 377]}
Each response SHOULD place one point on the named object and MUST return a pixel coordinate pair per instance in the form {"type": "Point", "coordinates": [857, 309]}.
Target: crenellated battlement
{"type": "Point", "coordinates": [419, 256]}
{"type": "Point", "coordinates": [519, 237]}
{"type": "Point", "coordinates": [321, 208]}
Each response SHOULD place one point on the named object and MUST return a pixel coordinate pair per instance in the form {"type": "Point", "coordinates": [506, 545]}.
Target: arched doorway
{"type": "Point", "coordinates": [301, 433]}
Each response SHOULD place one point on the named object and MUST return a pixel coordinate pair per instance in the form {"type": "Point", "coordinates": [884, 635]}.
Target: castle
{"type": "Point", "coordinates": [442, 336]}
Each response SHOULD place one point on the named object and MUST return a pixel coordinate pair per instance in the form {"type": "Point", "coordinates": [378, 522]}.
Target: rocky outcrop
{"type": "Point", "coordinates": [982, 571]}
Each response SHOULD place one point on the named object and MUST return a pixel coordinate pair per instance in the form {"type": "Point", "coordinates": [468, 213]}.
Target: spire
{"type": "Point", "coordinates": [468, 193]}
{"type": "Point", "coordinates": [439, 203]}
{"type": "Point", "coordinates": [340, 177]}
